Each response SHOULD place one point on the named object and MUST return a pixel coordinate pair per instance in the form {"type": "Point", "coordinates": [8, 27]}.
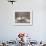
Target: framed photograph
{"type": "Point", "coordinates": [23, 17]}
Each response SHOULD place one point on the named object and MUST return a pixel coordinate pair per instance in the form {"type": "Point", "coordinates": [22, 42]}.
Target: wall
{"type": "Point", "coordinates": [7, 11]}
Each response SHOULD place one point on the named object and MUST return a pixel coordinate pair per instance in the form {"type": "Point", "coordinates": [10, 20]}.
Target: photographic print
{"type": "Point", "coordinates": [23, 18]}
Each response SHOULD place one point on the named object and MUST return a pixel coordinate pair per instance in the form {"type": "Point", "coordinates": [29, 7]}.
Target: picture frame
{"type": "Point", "coordinates": [22, 21]}
{"type": "Point", "coordinates": [23, 17]}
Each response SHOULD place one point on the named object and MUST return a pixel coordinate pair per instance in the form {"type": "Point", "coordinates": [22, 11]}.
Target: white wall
{"type": "Point", "coordinates": [7, 11]}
